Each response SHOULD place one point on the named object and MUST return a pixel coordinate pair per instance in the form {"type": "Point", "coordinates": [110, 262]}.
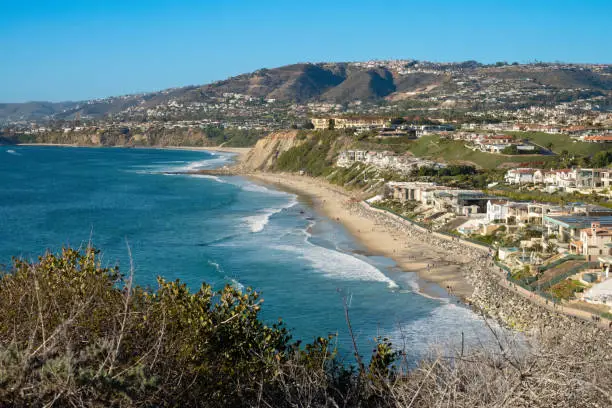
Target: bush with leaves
{"type": "Point", "coordinates": [72, 331]}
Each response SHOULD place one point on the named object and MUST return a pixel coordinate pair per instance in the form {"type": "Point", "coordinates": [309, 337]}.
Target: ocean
{"type": "Point", "coordinates": [220, 230]}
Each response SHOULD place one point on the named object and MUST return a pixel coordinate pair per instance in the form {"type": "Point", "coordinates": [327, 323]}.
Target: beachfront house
{"type": "Point", "coordinates": [461, 202]}
{"type": "Point", "coordinates": [497, 210]}
{"type": "Point", "coordinates": [410, 191]}
{"type": "Point", "coordinates": [537, 211]}
{"type": "Point", "coordinates": [568, 227]}
{"type": "Point", "coordinates": [593, 242]}
{"type": "Point", "coordinates": [473, 225]}
{"type": "Point", "coordinates": [600, 293]}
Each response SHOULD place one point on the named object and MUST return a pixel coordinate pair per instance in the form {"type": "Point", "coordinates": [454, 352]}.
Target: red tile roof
{"type": "Point", "coordinates": [599, 138]}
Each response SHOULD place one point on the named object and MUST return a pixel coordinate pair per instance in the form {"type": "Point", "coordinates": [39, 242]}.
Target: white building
{"type": "Point", "coordinates": [523, 176]}
{"type": "Point", "coordinates": [497, 210]}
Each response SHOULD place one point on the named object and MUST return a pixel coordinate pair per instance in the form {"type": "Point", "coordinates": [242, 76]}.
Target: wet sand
{"type": "Point", "coordinates": [431, 263]}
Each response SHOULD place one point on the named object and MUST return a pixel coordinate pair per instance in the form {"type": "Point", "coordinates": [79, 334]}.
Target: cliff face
{"type": "Point", "coordinates": [124, 137]}
{"type": "Point", "coordinates": [267, 150]}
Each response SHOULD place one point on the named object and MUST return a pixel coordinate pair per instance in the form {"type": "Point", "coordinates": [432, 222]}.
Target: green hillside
{"type": "Point", "coordinates": [562, 142]}
{"type": "Point", "coordinates": [451, 151]}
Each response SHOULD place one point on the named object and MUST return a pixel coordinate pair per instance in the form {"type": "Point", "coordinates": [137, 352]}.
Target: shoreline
{"type": "Point", "coordinates": [461, 270]}
{"type": "Point", "coordinates": [240, 152]}
{"type": "Point", "coordinates": [429, 263]}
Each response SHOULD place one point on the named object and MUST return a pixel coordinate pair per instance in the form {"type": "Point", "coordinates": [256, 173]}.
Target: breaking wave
{"type": "Point", "coordinates": [206, 176]}
{"type": "Point", "coordinates": [234, 282]}
{"type": "Point", "coordinates": [258, 222]}
{"type": "Point", "coordinates": [444, 327]}
{"type": "Point", "coordinates": [256, 188]}
{"type": "Point", "coordinates": [339, 265]}
{"type": "Point", "coordinates": [217, 160]}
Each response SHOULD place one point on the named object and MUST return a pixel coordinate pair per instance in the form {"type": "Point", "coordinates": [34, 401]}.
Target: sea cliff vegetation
{"type": "Point", "coordinates": [158, 136]}
{"type": "Point", "coordinates": [73, 333]}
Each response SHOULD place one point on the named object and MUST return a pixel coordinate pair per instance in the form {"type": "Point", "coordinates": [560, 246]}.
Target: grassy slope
{"type": "Point", "coordinates": [450, 151]}
{"type": "Point", "coordinates": [455, 151]}
{"type": "Point", "coordinates": [562, 142]}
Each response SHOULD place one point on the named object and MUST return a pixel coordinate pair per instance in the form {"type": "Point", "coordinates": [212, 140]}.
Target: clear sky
{"type": "Point", "coordinates": [72, 50]}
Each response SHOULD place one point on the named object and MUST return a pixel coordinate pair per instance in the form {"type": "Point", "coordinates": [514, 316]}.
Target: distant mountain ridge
{"type": "Point", "coordinates": [340, 83]}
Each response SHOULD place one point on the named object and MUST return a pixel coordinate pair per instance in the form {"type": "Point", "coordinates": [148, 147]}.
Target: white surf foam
{"type": "Point", "coordinates": [206, 176]}
{"type": "Point", "coordinates": [258, 222]}
{"type": "Point", "coordinates": [443, 328]}
{"type": "Point", "coordinates": [218, 160]}
{"type": "Point", "coordinates": [262, 189]}
{"type": "Point", "coordinates": [237, 285]}
{"type": "Point", "coordinates": [234, 282]}
{"type": "Point", "coordinates": [338, 265]}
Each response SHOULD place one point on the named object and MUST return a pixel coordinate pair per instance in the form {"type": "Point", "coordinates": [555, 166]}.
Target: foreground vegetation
{"type": "Point", "coordinates": [75, 334]}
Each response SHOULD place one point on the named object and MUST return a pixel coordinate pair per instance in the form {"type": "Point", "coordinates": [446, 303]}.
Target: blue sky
{"type": "Point", "coordinates": [72, 50]}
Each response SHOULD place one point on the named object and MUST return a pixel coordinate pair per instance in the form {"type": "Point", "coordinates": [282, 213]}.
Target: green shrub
{"type": "Point", "coordinates": [72, 331]}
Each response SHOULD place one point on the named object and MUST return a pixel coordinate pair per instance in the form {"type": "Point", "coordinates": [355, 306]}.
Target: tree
{"type": "Point", "coordinates": [602, 158]}
{"type": "Point", "coordinates": [512, 149]}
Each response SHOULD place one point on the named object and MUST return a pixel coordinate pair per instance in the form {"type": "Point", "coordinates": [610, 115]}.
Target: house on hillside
{"type": "Point", "coordinates": [524, 176]}
{"type": "Point", "coordinates": [396, 133]}
{"type": "Point", "coordinates": [321, 123]}
{"type": "Point", "coordinates": [360, 123]}
{"type": "Point", "coordinates": [348, 157]}
{"type": "Point", "coordinates": [425, 130]}
{"type": "Point", "coordinates": [598, 139]}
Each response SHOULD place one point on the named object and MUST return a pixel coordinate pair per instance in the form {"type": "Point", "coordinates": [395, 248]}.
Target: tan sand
{"type": "Point", "coordinates": [380, 239]}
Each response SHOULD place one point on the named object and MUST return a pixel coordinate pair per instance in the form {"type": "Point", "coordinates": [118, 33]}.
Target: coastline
{"type": "Point", "coordinates": [462, 271]}
{"type": "Point", "coordinates": [430, 263]}
{"type": "Point", "coordinates": [241, 152]}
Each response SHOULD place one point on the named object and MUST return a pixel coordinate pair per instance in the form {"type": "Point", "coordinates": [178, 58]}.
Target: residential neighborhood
{"type": "Point", "coordinates": [576, 179]}
{"type": "Point", "coordinates": [384, 160]}
{"type": "Point", "coordinates": [570, 242]}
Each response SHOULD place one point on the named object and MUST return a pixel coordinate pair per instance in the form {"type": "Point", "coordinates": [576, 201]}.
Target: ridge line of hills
{"type": "Point", "coordinates": [344, 83]}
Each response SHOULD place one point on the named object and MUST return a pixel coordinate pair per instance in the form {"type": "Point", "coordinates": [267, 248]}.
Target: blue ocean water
{"type": "Point", "coordinates": [218, 230]}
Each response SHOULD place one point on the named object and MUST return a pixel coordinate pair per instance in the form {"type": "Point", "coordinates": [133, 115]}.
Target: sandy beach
{"type": "Point", "coordinates": [430, 263]}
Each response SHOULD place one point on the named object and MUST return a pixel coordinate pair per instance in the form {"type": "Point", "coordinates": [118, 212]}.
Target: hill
{"type": "Point", "coordinates": [468, 85]}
